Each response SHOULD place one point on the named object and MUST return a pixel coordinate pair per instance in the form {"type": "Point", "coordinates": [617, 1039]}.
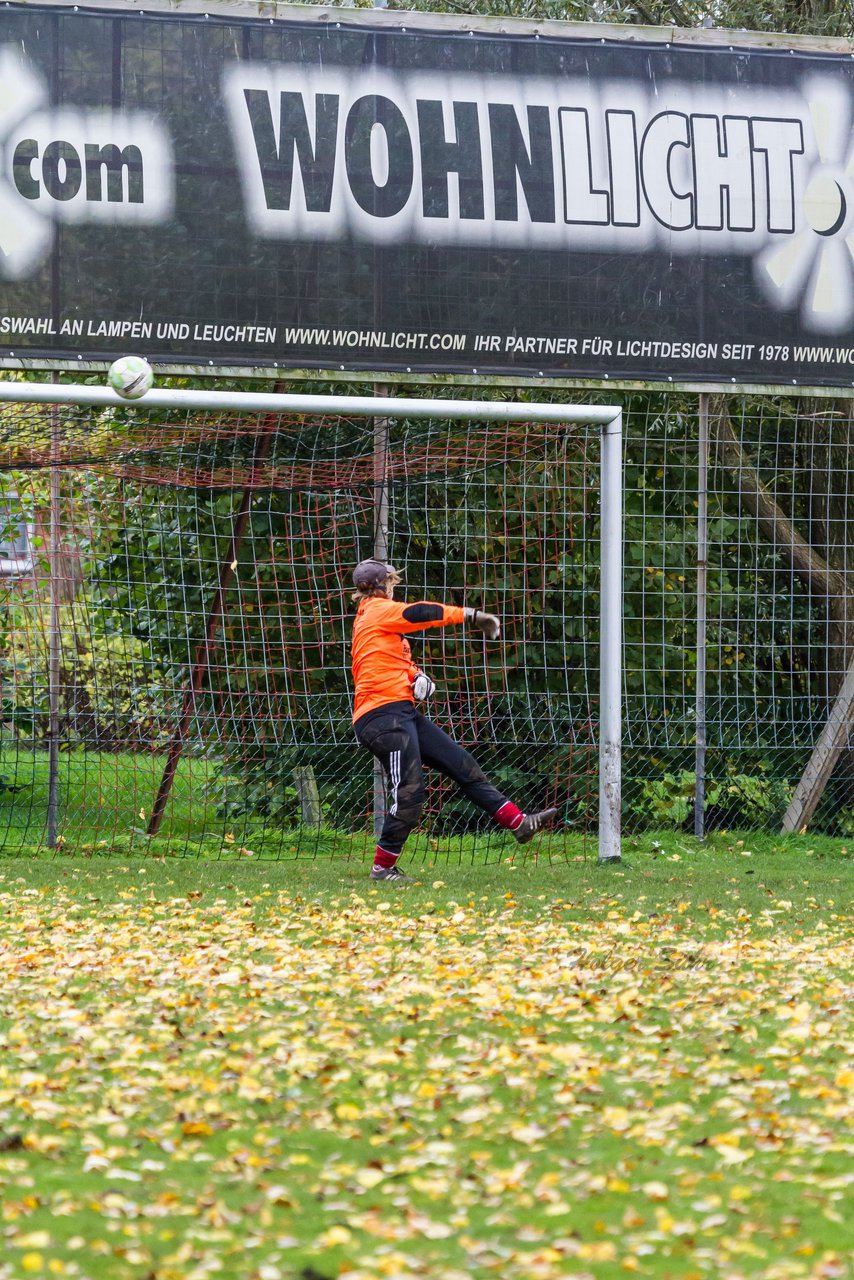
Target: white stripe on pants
{"type": "Point", "coordinates": [394, 775]}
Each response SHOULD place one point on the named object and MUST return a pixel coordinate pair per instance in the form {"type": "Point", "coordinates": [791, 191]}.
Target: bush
{"type": "Point", "coordinates": [111, 694]}
{"type": "Point", "coordinates": [737, 800]}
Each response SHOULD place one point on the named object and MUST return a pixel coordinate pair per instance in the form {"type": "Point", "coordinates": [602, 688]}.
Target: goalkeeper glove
{"type": "Point", "coordinates": [423, 686]}
{"type": "Point", "coordinates": [485, 622]}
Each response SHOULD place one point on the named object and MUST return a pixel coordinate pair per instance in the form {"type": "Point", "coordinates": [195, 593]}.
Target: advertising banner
{"type": "Point", "coordinates": [311, 194]}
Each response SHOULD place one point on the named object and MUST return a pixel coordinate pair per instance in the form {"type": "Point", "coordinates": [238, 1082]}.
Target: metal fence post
{"type": "Point", "coordinates": [702, 611]}
{"type": "Point", "coordinates": [53, 655]}
{"type": "Point", "coordinates": [380, 552]}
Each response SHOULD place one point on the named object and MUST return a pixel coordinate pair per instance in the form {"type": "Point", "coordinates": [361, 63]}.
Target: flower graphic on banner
{"type": "Point", "coordinates": [816, 264]}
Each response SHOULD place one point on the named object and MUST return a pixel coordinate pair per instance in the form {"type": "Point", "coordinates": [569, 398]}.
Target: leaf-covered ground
{"type": "Point", "coordinates": [271, 1072]}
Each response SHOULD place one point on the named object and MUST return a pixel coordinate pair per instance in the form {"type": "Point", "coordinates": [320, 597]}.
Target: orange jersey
{"type": "Point", "coordinates": [383, 669]}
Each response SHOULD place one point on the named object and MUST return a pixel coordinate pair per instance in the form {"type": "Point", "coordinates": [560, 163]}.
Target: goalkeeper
{"type": "Point", "coordinates": [386, 721]}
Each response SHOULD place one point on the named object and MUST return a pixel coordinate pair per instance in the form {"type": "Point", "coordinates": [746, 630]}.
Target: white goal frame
{"type": "Point", "coordinates": [608, 417]}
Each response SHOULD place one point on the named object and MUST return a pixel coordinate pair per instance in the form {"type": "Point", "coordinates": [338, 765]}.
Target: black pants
{"type": "Point", "coordinates": [403, 739]}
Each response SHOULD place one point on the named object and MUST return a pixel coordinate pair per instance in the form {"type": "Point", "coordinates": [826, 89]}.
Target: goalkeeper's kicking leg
{"type": "Point", "coordinates": [403, 740]}
{"type": "Point", "coordinates": [441, 752]}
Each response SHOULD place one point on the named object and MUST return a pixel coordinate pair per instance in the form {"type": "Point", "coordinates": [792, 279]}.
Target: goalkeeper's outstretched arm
{"type": "Point", "coordinates": [376, 580]}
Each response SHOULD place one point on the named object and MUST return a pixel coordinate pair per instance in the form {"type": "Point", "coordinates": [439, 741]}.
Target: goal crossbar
{"type": "Point", "coordinates": [608, 417]}
{"type": "Point", "coordinates": [342, 405]}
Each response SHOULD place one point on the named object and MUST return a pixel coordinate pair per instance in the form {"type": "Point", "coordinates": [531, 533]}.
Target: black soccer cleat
{"type": "Point", "coordinates": [532, 823]}
{"type": "Point", "coordinates": [390, 873]}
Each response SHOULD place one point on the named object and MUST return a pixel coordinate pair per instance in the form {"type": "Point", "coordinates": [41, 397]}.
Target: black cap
{"type": "Point", "coordinates": [372, 573]}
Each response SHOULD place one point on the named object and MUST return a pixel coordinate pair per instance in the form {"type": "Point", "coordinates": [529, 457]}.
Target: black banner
{"type": "Point", "coordinates": [308, 194]}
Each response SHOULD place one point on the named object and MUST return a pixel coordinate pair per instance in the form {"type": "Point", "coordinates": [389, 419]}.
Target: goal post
{"type": "Point", "coordinates": [607, 418]}
{"type": "Point", "coordinates": [610, 640]}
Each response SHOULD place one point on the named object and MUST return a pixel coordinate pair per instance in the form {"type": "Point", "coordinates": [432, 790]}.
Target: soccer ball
{"type": "Point", "coordinates": [130, 377]}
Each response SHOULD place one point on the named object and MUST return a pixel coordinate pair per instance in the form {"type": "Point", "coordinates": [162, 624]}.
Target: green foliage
{"type": "Point", "coordinates": [738, 800]}
{"type": "Point", "coordinates": [804, 17]}
{"type": "Point", "coordinates": [844, 823]}
{"type": "Point", "coordinates": [110, 694]}
{"type": "Point", "coordinates": [668, 799]}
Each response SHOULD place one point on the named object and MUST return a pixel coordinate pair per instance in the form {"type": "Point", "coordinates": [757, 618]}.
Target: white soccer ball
{"type": "Point", "coordinates": [130, 377]}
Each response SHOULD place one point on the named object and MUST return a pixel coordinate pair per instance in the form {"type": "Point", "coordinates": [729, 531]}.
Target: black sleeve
{"type": "Point", "coordinates": [423, 612]}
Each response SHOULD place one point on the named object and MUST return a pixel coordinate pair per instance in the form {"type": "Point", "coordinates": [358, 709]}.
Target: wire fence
{"type": "Point", "coordinates": [178, 633]}
{"type": "Point", "coordinates": [776, 641]}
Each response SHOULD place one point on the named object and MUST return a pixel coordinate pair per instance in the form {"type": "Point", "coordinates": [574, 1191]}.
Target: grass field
{"type": "Point", "coordinates": [279, 1070]}
{"type": "Point", "coordinates": [105, 802]}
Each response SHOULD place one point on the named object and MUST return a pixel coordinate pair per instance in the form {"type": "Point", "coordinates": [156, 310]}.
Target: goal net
{"type": "Point", "coordinates": [175, 672]}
